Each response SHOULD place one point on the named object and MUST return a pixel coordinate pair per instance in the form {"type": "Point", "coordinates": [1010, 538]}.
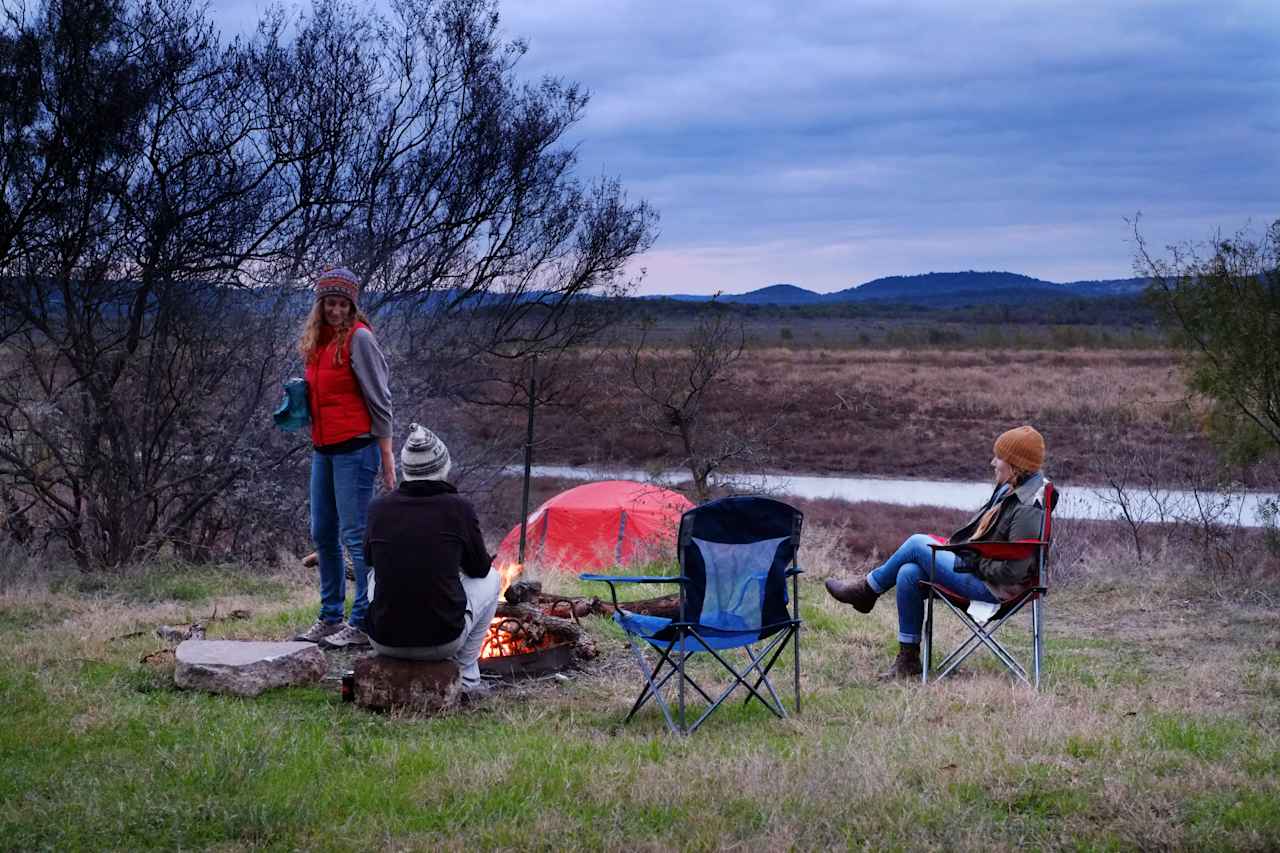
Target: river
{"type": "Point", "coordinates": [1090, 502]}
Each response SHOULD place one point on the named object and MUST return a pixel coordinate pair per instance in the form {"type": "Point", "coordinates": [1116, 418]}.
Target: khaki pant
{"type": "Point", "coordinates": [482, 603]}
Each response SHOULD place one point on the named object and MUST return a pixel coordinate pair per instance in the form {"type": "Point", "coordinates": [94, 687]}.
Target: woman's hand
{"type": "Point", "coordinates": [388, 464]}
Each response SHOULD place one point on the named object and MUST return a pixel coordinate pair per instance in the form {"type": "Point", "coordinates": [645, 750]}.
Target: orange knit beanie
{"type": "Point", "coordinates": [1022, 447]}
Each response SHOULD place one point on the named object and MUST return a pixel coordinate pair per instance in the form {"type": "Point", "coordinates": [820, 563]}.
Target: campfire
{"type": "Point", "coordinates": [523, 639]}
{"type": "Point", "coordinates": [512, 635]}
{"type": "Point", "coordinates": [535, 633]}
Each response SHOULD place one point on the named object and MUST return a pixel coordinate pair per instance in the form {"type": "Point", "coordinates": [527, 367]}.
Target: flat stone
{"type": "Point", "coordinates": [246, 668]}
{"type": "Point", "coordinates": [421, 686]}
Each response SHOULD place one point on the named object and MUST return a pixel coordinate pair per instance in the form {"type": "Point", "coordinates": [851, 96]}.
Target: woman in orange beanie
{"type": "Point", "coordinates": [1014, 511]}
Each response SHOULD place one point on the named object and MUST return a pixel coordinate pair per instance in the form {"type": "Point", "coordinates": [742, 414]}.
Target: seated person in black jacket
{"type": "Point", "coordinates": [435, 594]}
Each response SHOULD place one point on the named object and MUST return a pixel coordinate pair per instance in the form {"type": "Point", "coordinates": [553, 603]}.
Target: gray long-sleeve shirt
{"type": "Point", "coordinates": [370, 367]}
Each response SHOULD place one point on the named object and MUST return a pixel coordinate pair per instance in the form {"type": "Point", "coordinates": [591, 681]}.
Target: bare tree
{"type": "Point", "coordinates": [447, 189]}
{"type": "Point", "coordinates": [131, 202]}
{"type": "Point", "coordinates": [677, 386]}
{"type": "Point", "coordinates": [161, 192]}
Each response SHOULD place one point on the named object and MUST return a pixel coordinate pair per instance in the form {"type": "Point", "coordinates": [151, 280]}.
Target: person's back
{"type": "Point", "coordinates": [433, 593]}
{"type": "Point", "coordinates": [419, 539]}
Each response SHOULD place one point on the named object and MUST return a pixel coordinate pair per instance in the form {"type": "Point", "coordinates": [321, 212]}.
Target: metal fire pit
{"type": "Point", "coordinates": [528, 664]}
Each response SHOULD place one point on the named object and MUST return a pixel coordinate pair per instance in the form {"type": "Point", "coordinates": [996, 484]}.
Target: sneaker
{"type": "Point", "coordinates": [350, 635]}
{"type": "Point", "coordinates": [473, 692]}
{"type": "Point", "coordinates": [319, 631]}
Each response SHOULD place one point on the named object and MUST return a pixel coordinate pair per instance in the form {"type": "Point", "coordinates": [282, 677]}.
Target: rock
{"type": "Point", "coordinates": [246, 668]}
{"type": "Point", "coordinates": [178, 633]}
{"type": "Point", "coordinates": [423, 686]}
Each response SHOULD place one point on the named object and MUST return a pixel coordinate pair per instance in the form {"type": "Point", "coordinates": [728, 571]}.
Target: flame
{"type": "Point", "coordinates": [506, 637]}
{"type": "Point", "coordinates": [508, 573]}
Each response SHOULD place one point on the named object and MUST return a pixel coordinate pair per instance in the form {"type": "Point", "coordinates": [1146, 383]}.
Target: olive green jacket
{"type": "Point", "coordinates": [1021, 517]}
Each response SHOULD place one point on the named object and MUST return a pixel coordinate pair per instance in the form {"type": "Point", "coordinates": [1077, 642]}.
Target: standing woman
{"type": "Point", "coordinates": [351, 435]}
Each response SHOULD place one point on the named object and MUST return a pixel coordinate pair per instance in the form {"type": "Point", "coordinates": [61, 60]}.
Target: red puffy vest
{"type": "Point", "coordinates": [338, 411]}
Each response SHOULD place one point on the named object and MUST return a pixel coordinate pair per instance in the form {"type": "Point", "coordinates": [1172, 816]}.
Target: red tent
{"type": "Point", "coordinates": [597, 525]}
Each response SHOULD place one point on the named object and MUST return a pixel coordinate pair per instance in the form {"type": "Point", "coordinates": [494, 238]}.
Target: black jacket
{"type": "Point", "coordinates": [418, 539]}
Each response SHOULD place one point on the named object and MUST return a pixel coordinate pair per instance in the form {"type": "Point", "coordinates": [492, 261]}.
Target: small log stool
{"type": "Point", "coordinates": [426, 687]}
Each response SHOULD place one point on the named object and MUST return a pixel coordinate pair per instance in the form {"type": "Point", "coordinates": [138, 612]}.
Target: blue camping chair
{"type": "Point", "coordinates": [736, 555]}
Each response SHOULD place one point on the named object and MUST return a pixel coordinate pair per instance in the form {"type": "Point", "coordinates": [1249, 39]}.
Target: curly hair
{"type": "Point", "coordinates": [310, 341]}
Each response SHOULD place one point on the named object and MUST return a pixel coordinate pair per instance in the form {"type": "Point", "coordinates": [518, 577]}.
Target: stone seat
{"type": "Point", "coordinates": [246, 668]}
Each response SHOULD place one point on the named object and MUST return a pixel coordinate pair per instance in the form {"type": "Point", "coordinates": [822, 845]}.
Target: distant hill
{"type": "Point", "coordinates": [913, 287]}
{"type": "Point", "coordinates": [936, 289]}
{"type": "Point", "coordinates": [776, 294]}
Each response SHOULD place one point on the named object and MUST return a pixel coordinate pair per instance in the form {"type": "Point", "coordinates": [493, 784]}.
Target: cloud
{"type": "Point", "coordinates": [828, 142]}
{"type": "Point", "coordinates": [938, 135]}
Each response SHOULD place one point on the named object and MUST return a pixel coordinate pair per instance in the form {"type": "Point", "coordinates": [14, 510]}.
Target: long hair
{"type": "Point", "coordinates": [309, 342]}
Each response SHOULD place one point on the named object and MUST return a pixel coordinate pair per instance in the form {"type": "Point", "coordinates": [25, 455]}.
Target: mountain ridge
{"type": "Point", "coordinates": [932, 288]}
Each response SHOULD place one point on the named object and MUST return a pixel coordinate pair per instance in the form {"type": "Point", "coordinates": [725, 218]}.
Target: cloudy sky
{"type": "Point", "coordinates": [827, 143]}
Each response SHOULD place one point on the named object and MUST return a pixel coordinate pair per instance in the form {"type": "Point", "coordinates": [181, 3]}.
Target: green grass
{"type": "Point", "coordinates": [1205, 739]}
{"type": "Point", "coordinates": [176, 582]}
{"type": "Point", "coordinates": [98, 750]}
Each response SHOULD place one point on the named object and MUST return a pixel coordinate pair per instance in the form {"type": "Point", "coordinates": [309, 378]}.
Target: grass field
{"type": "Point", "coordinates": [1158, 727]}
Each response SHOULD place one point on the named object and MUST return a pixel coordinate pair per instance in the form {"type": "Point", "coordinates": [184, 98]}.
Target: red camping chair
{"type": "Point", "coordinates": [983, 627]}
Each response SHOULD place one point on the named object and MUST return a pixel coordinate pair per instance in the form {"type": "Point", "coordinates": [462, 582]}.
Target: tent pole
{"type": "Point", "coordinates": [528, 456]}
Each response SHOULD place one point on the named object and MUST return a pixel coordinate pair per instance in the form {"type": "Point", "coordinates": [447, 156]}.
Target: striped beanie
{"type": "Point", "coordinates": [424, 456]}
{"type": "Point", "coordinates": [338, 281]}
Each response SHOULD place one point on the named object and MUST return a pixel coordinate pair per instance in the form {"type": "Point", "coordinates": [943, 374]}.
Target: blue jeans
{"type": "Point", "coordinates": [341, 487]}
{"type": "Point", "coordinates": [907, 567]}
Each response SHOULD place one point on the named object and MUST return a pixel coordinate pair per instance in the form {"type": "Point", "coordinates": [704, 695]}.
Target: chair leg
{"type": "Point", "coordinates": [980, 634]}
{"type": "Point", "coordinates": [755, 664]}
{"type": "Point", "coordinates": [927, 657]}
{"type": "Point", "coordinates": [796, 641]}
{"type": "Point", "coordinates": [683, 640]}
{"type": "Point", "coordinates": [771, 652]}
{"type": "Point", "coordinates": [777, 645]}
{"type": "Point", "coordinates": [652, 688]}
{"type": "Point", "coordinates": [795, 615]}
{"type": "Point", "coordinates": [1037, 638]}
{"type": "Point", "coordinates": [966, 648]}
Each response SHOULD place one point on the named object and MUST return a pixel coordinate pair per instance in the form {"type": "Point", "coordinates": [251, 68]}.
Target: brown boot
{"type": "Point", "coordinates": [905, 665]}
{"type": "Point", "coordinates": [858, 593]}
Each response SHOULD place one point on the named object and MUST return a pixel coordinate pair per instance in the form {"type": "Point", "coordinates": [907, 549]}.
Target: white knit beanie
{"type": "Point", "coordinates": [424, 456]}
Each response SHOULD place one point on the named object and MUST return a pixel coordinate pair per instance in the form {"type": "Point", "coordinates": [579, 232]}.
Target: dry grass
{"type": "Point", "coordinates": [927, 413]}
{"type": "Point", "coordinates": [1159, 726]}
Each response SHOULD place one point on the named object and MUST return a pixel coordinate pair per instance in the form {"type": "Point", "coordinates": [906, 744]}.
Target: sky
{"type": "Point", "coordinates": [828, 143]}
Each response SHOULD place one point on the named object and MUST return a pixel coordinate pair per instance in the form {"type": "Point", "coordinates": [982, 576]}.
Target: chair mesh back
{"type": "Point", "coordinates": [736, 552]}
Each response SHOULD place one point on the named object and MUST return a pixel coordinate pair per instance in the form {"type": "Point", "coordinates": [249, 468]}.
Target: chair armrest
{"type": "Point", "coordinates": [611, 580]}
{"type": "Point", "coordinates": [1016, 550]}
{"type": "Point", "coordinates": [634, 578]}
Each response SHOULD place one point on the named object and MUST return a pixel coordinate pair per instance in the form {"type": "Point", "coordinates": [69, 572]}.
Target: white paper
{"type": "Point", "coordinates": [982, 611]}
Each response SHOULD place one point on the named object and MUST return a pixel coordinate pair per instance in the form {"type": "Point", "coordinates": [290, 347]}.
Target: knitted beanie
{"type": "Point", "coordinates": [1022, 447]}
{"type": "Point", "coordinates": [338, 281]}
{"type": "Point", "coordinates": [424, 456]}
